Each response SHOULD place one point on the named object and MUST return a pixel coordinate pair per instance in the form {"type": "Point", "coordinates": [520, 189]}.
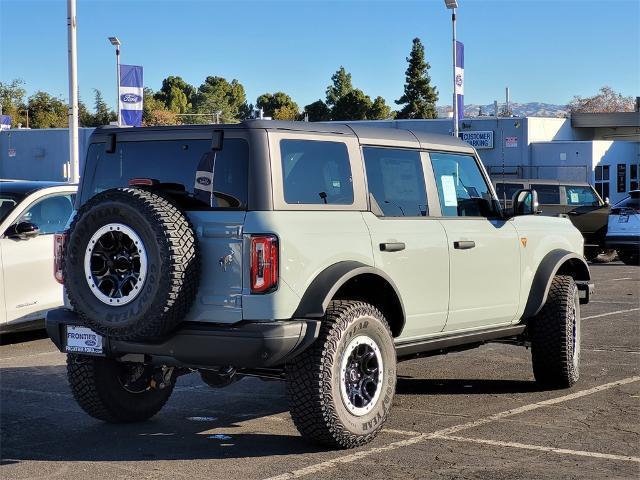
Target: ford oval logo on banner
{"type": "Point", "coordinates": [203, 181]}
{"type": "Point", "coordinates": [130, 98]}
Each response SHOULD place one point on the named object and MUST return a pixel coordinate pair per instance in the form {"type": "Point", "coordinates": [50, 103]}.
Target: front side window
{"type": "Point", "coordinates": [581, 196]}
{"type": "Point", "coordinates": [462, 190]}
{"type": "Point", "coordinates": [316, 172]}
{"type": "Point", "coordinates": [197, 177]}
{"type": "Point", "coordinates": [396, 182]}
{"type": "Point", "coordinates": [50, 214]}
{"type": "Point", "coordinates": [547, 194]}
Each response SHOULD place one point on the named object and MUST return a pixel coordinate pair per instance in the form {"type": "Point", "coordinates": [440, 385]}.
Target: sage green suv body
{"type": "Point", "coordinates": [319, 253]}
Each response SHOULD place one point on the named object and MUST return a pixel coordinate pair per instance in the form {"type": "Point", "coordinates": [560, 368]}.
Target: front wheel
{"type": "Point", "coordinates": [555, 336]}
{"type": "Point", "coordinates": [118, 392]}
{"type": "Point", "coordinates": [341, 388]}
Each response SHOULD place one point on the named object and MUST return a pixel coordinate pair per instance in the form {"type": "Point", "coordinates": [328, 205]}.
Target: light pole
{"type": "Point", "coordinates": [453, 5]}
{"type": "Point", "coordinates": [74, 151]}
{"type": "Point", "coordinates": [116, 43]}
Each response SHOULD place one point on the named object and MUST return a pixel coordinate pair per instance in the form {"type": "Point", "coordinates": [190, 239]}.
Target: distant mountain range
{"type": "Point", "coordinates": [531, 109]}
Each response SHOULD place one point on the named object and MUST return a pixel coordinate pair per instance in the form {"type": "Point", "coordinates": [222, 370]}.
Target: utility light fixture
{"type": "Point", "coordinates": [114, 41]}
{"type": "Point", "coordinates": [451, 3]}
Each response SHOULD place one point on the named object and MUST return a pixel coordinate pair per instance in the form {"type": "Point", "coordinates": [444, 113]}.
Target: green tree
{"type": "Point", "coordinates": [340, 86]}
{"type": "Point", "coordinates": [85, 117]}
{"type": "Point", "coordinates": [154, 111]}
{"type": "Point", "coordinates": [318, 111]}
{"type": "Point", "coordinates": [102, 116]}
{"type": "Point", "coordinates": [12, 100]}
{"type": "Point", "coordinates": [216, 94]}
{"type": "Point", "coordinates": [379, 110]}
{"type": "Point", "coordinates": [279, 106]}
{"type": "Point", "coordinates": [419, 97]}
{"type": "Point", "coordinates": [607, 100]}
{"type": "Point", "coordinates": [176, 94]}
{"type": "Point", "coordinates": [354, 105]}
{"type": "Point", "coordinates": [47, 111]}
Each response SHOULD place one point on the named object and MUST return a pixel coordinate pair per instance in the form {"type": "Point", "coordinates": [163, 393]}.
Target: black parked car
{"type": "Point", "coordinates": [578, 201]}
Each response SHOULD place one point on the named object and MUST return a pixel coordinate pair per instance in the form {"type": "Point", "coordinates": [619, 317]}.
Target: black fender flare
{"type": "Point", "coordinates": [547, 269]}
{"type": "Point", "coordinates": [322, 289]}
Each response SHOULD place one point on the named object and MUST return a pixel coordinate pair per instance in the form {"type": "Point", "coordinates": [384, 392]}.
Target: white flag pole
{"type": "Point", "coordinates": [74, 154]}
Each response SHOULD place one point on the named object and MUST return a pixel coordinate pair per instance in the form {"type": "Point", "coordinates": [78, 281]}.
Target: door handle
{"type": "Point", "coordinates": [392, 247]}
{"type": "Point", "coordinates": [464, 244]}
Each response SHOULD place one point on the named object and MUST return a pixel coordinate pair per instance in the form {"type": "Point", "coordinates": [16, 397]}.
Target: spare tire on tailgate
{"type": "Point", "coordinates": [131, 265]}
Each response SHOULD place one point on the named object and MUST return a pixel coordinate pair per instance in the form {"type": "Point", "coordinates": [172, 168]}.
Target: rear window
{"type": "Point", "coordinates": [547, 194]}
{"type": "Point", "coordinates": [581, 196]}
{"type": "Point", "coordinates": [197, 177]}
{"type": "Point", "coordinates": [505, 191]}
{"type": "Point", "coordinates": [316, 172]}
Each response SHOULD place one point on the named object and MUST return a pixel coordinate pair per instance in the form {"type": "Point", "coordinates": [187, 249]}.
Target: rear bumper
{"type": "Point", "coordinates": [243, 345]}
{"type": "Point", "coordinates": [622, 241]}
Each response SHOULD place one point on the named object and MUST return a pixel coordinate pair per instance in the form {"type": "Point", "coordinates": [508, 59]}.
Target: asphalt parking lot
{"type": "Point", "coordinates": [475, 414]}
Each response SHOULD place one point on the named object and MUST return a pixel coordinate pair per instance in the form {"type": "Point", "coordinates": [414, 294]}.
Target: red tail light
{"type": "Point", "coordinates": [58, 251]}
{"type": "Point", "coordinates": [264, 263]}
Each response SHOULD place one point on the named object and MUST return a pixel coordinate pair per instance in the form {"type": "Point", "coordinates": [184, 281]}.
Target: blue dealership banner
{"type": "Point", "coordinates": [130, 95]}
{"type": "Point", "coordinates": [460, 78]}
{"type": "Point", "coordinates": [5, 122]}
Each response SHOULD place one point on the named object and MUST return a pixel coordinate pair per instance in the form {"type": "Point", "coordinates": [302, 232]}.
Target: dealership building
{"type": "Point", "coordinates": [600, 148]}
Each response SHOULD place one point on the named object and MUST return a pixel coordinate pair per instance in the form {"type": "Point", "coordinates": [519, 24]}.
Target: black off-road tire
{"type": "Point", "coordinates": [173, 267]}
{"type": "Point", "coordinates": [95, 385]}
{"type": "Point", "coordinates": [629, 257]}
{"type": "Point", "coordinates": [555, 336]}
{"type": "Point", "coordinates": [314, 378]}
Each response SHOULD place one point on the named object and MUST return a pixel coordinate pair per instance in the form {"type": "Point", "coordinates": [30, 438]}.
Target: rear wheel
{"type": "Point", "coordinates": [341, 388]}
{"type": "Point", "coordinates": [555, 336]}
{"type": "Point", "coordinates": [629, 257]}
{"type": "Point", "coordinates": [597, 255]}
{"type": "Point", "coordinates": [118, 392]}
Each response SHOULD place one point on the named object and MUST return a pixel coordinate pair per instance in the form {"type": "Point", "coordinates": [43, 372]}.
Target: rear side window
{"type": "Point", "coordinates": [581, 196]}
{"type": "Point", "coordinates": [547, 194]}
{"type": "Point", "coordinates": [505, 191]}
{"type": "Point", "coordinates": [396, 182]}
{"type": "Point", "coordinates": [197, 177]}
{"type": "Point", "coordinates": [316, 172]}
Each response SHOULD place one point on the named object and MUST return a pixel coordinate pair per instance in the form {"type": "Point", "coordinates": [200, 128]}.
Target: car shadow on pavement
{"type": "Point", "coordinates": [449, 386]}
{"type": "Point", "coordinates": [41, 421]}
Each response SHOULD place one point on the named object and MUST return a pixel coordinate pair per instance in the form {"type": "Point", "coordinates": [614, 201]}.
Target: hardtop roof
{"type": "Point", "coordinates": [369, 133]}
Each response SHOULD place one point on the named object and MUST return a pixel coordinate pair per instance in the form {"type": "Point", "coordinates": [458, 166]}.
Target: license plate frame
{"type": "Point", "coordinates": [83, 340]}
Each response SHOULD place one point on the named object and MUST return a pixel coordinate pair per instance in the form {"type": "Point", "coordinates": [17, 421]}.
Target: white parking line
{"type": "Point", "coordinates": [541, 448]}
{"type": "Point", "coordinates": [611, 313]}
{"type": "Point", "coordinates": [445, 432]}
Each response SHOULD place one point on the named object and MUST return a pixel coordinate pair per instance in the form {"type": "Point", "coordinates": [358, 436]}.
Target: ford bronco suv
{"type": "Point", "coordinates": [321, 254]}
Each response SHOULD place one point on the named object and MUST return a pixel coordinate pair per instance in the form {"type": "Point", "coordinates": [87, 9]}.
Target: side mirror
{"type": "Point", "coordinates": [525, 202]}
{"type": "Point", "coordinates": [22, 231]}
{"type": "Point", "coordinates": [607, 202]}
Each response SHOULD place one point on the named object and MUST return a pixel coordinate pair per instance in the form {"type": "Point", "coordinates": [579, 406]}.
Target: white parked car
{"type": "Point", "coordinates": [30, 214]}
{"type": "Point", "coordinates": [623, 231]}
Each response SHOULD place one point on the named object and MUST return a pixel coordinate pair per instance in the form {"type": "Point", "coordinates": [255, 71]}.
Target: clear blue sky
{"type": "Point", "coordinates": [544, 50]}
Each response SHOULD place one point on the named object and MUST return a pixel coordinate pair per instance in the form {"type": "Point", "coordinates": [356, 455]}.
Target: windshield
{"type": "Point", "coordinates": [8, 202]}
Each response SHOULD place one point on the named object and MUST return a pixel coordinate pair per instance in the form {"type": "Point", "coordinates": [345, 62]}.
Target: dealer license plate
{"type": "Point", "coordinates": [83, 340]}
